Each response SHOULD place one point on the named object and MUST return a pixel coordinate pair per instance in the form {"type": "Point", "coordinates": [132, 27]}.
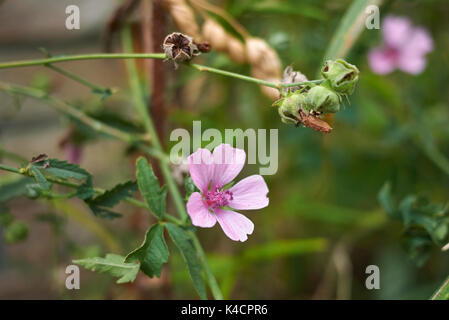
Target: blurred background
{"type": "Point", "coordinates": [325, 223]}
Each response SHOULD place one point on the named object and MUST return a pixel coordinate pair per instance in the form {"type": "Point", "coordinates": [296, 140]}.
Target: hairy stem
{"type": "Point", "coordinates": [442, 292]}
{"type": "Point", "coordinates": [171, 184]}
{"type": "Point", "coordinates": [98, 191]}
{"type": "Point", "coordinates": [27, 63]}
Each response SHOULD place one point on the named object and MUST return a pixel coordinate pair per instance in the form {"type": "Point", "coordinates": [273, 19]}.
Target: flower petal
{"type": "Point", "coordinates": [420, 42]}
{"type": "Point", "coordinates": [228, 162]}
{"type": "Point", "coordinates": [396, 31]}
{"type": "Point", "coordinates": [249, 194]}
{"type": "Point", "coordinates": [380, 61]}
{"type": "Point", "coordinates": [412, 63]}
{"type": "Point", "coordinates": [199, 212]}
{"type": "Point", "coordinates": [201, 168]}
{"type": "Point", "coordinates": [235, 225]}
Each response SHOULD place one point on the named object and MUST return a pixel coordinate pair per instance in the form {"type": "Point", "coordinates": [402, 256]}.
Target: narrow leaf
{"type": "Point", "coordinates": [153, 252]}
{"type": "Point", "coordinates": [112, 264]}
{"type": "Point", "coordinates": [351, 26]}
{"type": "Point", "coordinates": [185, 245]}
{"type": "Point", "coordinates": [149, 187]}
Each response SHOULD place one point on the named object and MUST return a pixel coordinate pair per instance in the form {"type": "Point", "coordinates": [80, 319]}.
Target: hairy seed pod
{"type": "Point", "coordinates": [322, 100]}
{"type": "Point", "coordinates": [342, 76]}
{"type": "Point", "coordinates": [289, 107]}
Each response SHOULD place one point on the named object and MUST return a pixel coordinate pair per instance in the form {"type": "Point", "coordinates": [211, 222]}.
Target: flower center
{"type": "Point", "coordinates": [218, 197]}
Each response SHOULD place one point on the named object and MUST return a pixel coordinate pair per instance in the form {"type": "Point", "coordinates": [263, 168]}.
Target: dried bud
{"type": "Point", "coordinates": [342, 76]}
{"type": "Point", "coordinates": [321, 100]}
{"type": "Point", "coordinates": [289, 107]}
{"type": "Point", "coordinates": [204, 46]}
{"type": "Point", "coordinates": [291, 76]}
{"type": "Point", "coordinates": [314, 123]}
{"type": "Point", "coordinates": [179, 47]}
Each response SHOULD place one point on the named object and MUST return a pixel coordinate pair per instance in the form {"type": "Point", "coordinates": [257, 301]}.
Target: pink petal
{"type": "Point", "coordinates": [249, 194]}
{"type": "Point", "coordinates": [235, 225]}
{"type": "Point", "coordinates": [419, 43]}
{"type": "Point", "coordinates": [228, 162]}
{"type": "Point", "coordinates": [396, 31]}
{"type": "Point", "coordinates": [412, 63]}
{"type": "Point", "coordinates": [201, 168]}
{"type": "Point", "coordinates": [199, 212]}
{"type": "Point", "coordinates": [380, 61]}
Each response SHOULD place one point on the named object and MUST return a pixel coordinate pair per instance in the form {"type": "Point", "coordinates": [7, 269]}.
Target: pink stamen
{"type": "Point", "coordinates": [218, 197]}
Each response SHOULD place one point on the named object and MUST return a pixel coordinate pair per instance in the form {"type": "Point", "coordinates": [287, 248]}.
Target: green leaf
{"type": "Point", "coordinates": [149, 187]}
{"type": "Point", "coordinates": [153, 252]}
{"type": "Point", "coordinates": [14, 189]}
{"type": "Point", "coordinates": [351, 26]}
{"type": "Point", "coordinates": [387, 201]}
{"type": "Point", "coordinates": [112, 264]}
{"type": "Point", "coordinates": [65, 170]}
{"type": "Point", "coordinates": [110, 198]}
{"type": "Point", "coordinates": [40, 178]}
{"type": "Point", "coordinates": [185, 245]}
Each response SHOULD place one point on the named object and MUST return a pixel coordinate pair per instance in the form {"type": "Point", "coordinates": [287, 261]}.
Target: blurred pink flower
{"type": "Point", "coordinates": [73, 152]}
{"type": "Point", "coordinates": [404, 47]}
{"type": "Point", "coordinates": [210, 172]}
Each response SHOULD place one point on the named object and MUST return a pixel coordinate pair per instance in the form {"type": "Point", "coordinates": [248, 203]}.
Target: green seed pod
{"type": "Point", "coordinates": [322, 100]}
{"type": "Point", "coordinates": [289, 106]}
{"type": "Point", "coordinates": [342, 76]}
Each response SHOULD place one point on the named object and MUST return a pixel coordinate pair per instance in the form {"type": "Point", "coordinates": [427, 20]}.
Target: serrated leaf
{"type": "Point", "coordinates": [40, 178]}
{"type": "Point", "coordinates": [154, 196]}
{"type": "Point", "coordinates": [110, 198]}
{"type": "Point", "coordinates": [185, 245]}
{"type": "Point", "coordinates": [66, 170]}
{"type": "Point", "coordinates": [112, 264]}
{"type": "Point", "coordinates": [113, 196]}
{"type": "Point", "coordinates": [153, 252]}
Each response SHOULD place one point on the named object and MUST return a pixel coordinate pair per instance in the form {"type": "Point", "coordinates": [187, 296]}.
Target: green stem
{"type": "Point", "coordinates": [96, 125]}
{"type": "Point", "coordinates": [171, 184]}
{"type": "Point", "coordinates": [93, 56]}
{"type": "Point", "coordinates": [275, 85]}
{"type": "Point", "coordinates": [98, 191]}
{"type": "Point", "coordinates": [78, 79]}
{"type": "Point", "coordinates": [443, 292]}
{"type": "Point", "coordinates": [216, 292]}
{"type": "Point", "coordinates": [141, 107]}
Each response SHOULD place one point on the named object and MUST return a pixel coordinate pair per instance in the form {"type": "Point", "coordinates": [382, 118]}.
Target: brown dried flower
{"type": "Point", "coordinates": [179, 47]}
{"type": "Point", "coordinates": [314, 123]}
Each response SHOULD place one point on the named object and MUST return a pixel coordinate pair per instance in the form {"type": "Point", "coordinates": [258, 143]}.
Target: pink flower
{"type": "Point", "coordinates": [405, 47]}
{"type": "Point", "coordinates": [211, 172]}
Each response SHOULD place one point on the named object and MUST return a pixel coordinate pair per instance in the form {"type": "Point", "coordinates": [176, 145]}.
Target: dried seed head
{"type": "Point", "coordinates": [179, 47]}
{"type": "Point", "coordinates": [291, 76]}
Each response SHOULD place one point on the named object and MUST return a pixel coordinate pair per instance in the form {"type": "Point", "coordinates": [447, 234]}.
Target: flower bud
{"type": "Point", "coordinates": [289, 107]}
{"type": "Point", "coordinates": [342, 76]}
{"type": "Point", "coordinates": [321, 100]}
